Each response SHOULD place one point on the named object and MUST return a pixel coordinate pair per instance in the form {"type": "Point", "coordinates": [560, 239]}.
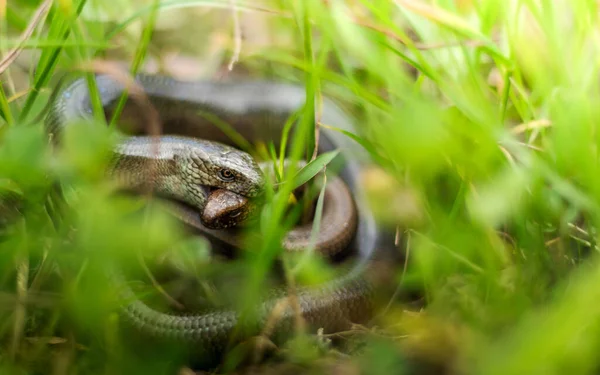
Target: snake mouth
{"type": "Point", "coordinates": [225, 209]}
{"type": "Point", "coordinates": [191, 216]}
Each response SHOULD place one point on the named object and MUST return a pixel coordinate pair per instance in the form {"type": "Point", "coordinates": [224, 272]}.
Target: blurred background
{"type": "Point", "coordinates": [480, 116]}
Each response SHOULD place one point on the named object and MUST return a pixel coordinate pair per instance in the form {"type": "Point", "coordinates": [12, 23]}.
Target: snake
{"type": "Point", "coordinates": [197, 164]}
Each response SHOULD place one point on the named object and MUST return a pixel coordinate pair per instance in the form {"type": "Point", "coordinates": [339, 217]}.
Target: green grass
{"type": "Point", "coordinates": [481, 117]}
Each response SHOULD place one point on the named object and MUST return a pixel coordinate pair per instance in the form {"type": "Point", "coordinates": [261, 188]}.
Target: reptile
{"type": "Point", "coordinates": [258, 111]}
{"type": "Point", "coordinates": [224, 209]}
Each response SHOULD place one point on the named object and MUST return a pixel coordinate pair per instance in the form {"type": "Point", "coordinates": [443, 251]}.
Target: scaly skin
{"type": "Point", "coordinates": [257, 111]}
{"type": "Point", "coordinates": [183, 168]}
{"type": "Point", "coordinates": [226, 209]}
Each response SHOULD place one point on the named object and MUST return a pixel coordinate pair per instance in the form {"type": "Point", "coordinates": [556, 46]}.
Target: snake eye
{"type": "Point", "coordinates": [235, 214]}
{"type": "Point", "coordinates": [226, 175]}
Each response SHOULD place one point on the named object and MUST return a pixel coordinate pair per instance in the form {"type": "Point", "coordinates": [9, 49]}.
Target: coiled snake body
{"type": "Point", "coordinates": [188, 169]}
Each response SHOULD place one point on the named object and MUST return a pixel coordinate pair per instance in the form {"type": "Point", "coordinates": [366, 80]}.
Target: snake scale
{"type": "Point", "coordinates": [258, 111]}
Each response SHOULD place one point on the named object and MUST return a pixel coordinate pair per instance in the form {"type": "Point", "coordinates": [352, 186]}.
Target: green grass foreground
{"type": "Point", "coordinates": [482, 117]}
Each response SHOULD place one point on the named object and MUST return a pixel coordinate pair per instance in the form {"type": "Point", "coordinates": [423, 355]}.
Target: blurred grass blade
{"type": "Point", "coordinates": [36, 19]}
{"type": "Point", "coordinates": [226, 128]}
{"type": "Point", "coordinates": [61, 26]}
{"type": "Point", "coordinates": [5, 111]}
{"type": "Point", "coordinates": [365, 143]}
{"type": "Point", "coordinates": [240, 6]}
{"type": "Point", "coordinates": [310, 79]}
{"type": "Point", "coordinates": [452, 22]}
{"type": "Point", "coordinates": [139, 57]}
{"type": "Point", "coordinates": [562, 334]}
{"type": "Point", "coordinates": [284, 141]}
{"type": "Point", "coordinates": [313, 167]}
{"type": "Point", "coordinates": [316, 227]}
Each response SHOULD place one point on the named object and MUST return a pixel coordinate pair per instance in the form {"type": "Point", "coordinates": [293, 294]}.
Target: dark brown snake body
{"type": "Point", "coordinates": [258, 112]}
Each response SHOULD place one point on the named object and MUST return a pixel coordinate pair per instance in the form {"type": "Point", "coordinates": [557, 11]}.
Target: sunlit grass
{"type": "Point", "coordinates": [481, 117]}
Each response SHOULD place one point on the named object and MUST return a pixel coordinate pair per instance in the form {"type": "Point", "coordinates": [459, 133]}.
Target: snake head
{"type": "Point", "coordinates": [238, 172]}
{"type": "Point", "coordinates": [225, 209]}
{"type": "Point", "coordinates": [218, 166]}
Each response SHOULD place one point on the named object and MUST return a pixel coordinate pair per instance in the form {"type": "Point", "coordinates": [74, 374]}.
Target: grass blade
{"type": "Point", "coordinates": [59, 26]}
{"type": "Point", "coordinates": [138, 59]}
{"type": "Point", "coordinates": [313, 167]}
